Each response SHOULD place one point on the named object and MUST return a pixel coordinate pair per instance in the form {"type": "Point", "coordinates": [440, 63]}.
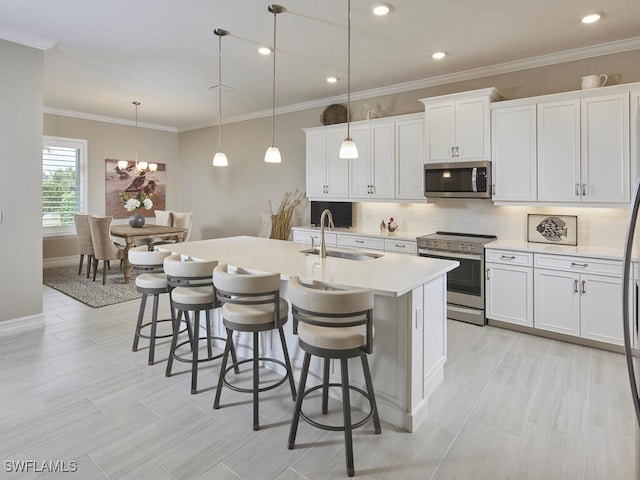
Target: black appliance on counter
{"type": "Point", "coordinates": [465, 284]}
{"type": "Point", "coordinates": [342, 213]}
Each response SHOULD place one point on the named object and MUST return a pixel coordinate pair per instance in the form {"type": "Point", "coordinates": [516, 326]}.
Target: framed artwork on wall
{"type": "Point", "coordinates": [130, 183]}
{"type": "Point", "coordinates": [557, 229]}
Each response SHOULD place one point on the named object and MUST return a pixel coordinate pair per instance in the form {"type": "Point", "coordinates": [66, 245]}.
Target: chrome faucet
{"type": "Point", "coordinates": [323, 245]}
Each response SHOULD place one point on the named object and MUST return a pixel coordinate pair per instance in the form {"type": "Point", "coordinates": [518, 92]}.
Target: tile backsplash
{"type": "Point", "coordinates": [596, 226]}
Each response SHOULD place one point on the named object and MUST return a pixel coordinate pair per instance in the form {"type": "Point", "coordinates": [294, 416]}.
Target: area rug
{"type": "Point", "coordinates": [85, 290]}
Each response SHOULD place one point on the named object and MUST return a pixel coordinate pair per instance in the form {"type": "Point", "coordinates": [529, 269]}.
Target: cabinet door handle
{"type": "Point", "coordinates": [584, 290]}
{"type": "Point", "coordinates": [580, 265]}
{"type": "Point", "coordinates": [493, 189]}
{"type": "Point", "coordinates": [457, 151]}
{"type": "Point", "coordinates": [488, 277]}
{"type": "Point", "coordinates": [373, 189]}
{"type": "Point", "coordinates": [584, 189]}
{"type": "Point", "coordinates": [577, 189]}
{"type": "Point", "coordinates": [452, 152]}
{"type": "Point", "coordinates": [507, 257]}
{"type": "Point", "coordinates": [575, 286]}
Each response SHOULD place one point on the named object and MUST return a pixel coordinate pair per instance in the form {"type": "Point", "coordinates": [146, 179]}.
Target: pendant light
{"type": "Point", "coordinates": [348, 149]}
{"type": "Point", "coordinates": [139, 166]}
{"type": "Point", "coordinates": [220, 159]}
{"type": "Point", "coordinates": [273, 154]}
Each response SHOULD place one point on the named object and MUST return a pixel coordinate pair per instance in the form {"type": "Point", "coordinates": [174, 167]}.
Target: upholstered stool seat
{"type": "Point", "coordinates": [191, 290]}
{"type": "Point", "coordinates": [149, 281]}
{"type": "Point", "coordinates": [333, 324]}
{"type": "Point", "coordinates": [251, 303]}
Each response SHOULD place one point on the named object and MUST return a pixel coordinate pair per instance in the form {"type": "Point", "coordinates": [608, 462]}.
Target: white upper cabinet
{"type": "Point", "coordinates": [327, 175]}
{"type": "Point", "coordinates": [409, 158]}
{"type": "Point", "coordinates": [604, 149]}
{"type": "Point", "coordinates": [513, 153]}
{"type": "Point", "coordinates": [389, 166]}
{"type": "Point", "coordinates": [569, 148]}
{"type": "Point", "coordinates": [372, 173]}
{"type": "Point", "coordinates": [583, 150]}
{"type": "Point", "coordinates": [457, 126]}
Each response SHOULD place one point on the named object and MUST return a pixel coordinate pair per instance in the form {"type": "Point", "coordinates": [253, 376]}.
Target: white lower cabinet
{"type": "Point", "coordinates": [509, 286]}
{"type": "Point", "coordinates": [571, 295]}
{"type": "Point", "coordinates": [579, 296]}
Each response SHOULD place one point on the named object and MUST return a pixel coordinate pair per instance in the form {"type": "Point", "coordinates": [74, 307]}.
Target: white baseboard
{"type": "Point", "coordinates": [62, 261]}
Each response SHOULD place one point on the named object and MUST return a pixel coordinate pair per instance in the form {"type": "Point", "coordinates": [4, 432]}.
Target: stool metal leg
{"type": "Point", "coordinates": [296, 412]}
{"type": "Point", "coordinates": [287, 362]}
{"type": "Point", "coordinates": [194, 352]}
{"type": "Point", "coordinates": [256, 379]}
{"type": "Point", "coordinates": [136, 336]}
{"type": "Point", "coordinates": [227, 348]}
{"type": "Point", "coordinates": [154, 328]}
{"type": "Point", "coordinates": [209, 345]}
{"type": "Point", "coordinates": [346, 413]}
{"type": "Point", "coordinates": [325, 387]}
{"type": "Point", "coordinates": [372, 397]}
{"type": "Point", "coordinates": [175, 321]}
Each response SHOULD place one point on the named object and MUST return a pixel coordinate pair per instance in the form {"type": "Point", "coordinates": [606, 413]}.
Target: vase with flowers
{"type": "Point", "coordinates": [134, 204]}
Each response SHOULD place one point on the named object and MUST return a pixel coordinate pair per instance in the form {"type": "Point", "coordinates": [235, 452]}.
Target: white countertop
{"type": "Point", "coordinates": [390, 275]}
{"type": "Point", "coordinates": [609, 253]}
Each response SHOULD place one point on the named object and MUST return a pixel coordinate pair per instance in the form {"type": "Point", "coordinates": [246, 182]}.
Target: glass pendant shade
{"type": "Point", "coordinates": [272, 155]}
{"type": "Point", "coordinates": [153, 167]}
{"type": "Point", "coordinates": [348, 149]}
{"type": "Point", "coordinates": [220, 160]}
{"type": "Point", "coordinates": [142, 165]}
{"type": "Point", "coordinates": [122, 164]}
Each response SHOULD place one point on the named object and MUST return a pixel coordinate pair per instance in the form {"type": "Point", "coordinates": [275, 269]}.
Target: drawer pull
{"type": "Point", "coordinates": [507, 257]}
{"type": "Point", "coordinates": [359, 241]}
{"type": "Point", "coordinates": [400, 246]}
{"type": "Point", "coordinates": [580, 265]}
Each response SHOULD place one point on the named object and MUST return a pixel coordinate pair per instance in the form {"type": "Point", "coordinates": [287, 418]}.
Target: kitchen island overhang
{"type": "Point", "coordinates": [410, 345]}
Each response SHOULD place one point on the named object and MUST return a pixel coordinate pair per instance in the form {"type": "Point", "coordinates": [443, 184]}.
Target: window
{"type": "Point", "coordinates": [64, 173]}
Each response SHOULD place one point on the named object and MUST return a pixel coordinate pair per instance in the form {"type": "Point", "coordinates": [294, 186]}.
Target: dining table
{"type": "Point", "coordinates": [147, 232]}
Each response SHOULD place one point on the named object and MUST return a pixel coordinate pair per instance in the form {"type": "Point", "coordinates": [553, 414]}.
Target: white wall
{"type": "Point", "coordinates": [21, 80]}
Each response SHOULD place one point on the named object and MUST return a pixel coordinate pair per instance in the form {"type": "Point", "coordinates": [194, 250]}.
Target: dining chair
{"type": "Point", "coordinates": [183, 220]}
{"type": "Point", "coordinates": [103, 246]}
{"type": "Point", "coordinates": [85, 245]}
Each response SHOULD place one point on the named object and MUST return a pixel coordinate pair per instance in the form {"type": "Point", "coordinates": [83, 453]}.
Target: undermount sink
{"type": "Point", "coordinates": [341, 254]}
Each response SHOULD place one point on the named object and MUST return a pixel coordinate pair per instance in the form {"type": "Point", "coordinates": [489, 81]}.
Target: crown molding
{"type": "Point", "coordinates": [582, 53]}
{"type": "Point", "coordinates": [102, 118]}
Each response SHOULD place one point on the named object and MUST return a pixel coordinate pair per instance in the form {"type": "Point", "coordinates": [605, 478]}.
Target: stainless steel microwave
{"type": "Point", "coordinates": [458, 180]}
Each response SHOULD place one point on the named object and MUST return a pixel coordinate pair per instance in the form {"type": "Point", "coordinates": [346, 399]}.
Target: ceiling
{"type": "Point", "coordinates": [102, 55]}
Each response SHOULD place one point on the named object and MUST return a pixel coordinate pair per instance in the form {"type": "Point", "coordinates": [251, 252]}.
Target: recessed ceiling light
{"type": "Point", "coordinates": [591, 18]}
{"type": "Point", "coordinates": [332, 79]}
{"type": "Point", "coordinates": [264, 51]}
{"type": "Point", "coordinates": [438, 55]}
{"type": "Point", "coordinates": [382, 9]}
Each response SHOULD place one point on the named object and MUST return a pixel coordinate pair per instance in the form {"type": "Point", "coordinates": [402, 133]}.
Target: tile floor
{"type": "Point", "coordinates": [512, 406]}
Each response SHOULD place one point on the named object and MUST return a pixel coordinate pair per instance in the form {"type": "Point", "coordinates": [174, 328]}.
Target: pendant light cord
{"type": "Point", "coordinates": [219, 93]}
{"type": "Point", "coordinates": [136, 159]}
{"type": "Point", "coordinates": [348, 68]}
{"type": "Point", "coordinates": [273, 93]}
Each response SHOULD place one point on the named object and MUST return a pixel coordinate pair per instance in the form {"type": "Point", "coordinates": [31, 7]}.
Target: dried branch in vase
{"type": "Point", "coordinates": [282, 218]}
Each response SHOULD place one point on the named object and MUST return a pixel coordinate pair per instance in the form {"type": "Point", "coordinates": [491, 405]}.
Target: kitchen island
{"type": "Point", "coordinates": [410, 345]}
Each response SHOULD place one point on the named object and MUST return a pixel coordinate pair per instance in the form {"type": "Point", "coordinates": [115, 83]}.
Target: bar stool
{"type": "Point", "coordinates": [251, 303]}
{"type": "Point", "coordinates": [150, 280]}
{"type": "Point", "coordinates": [191, 290]}
{"type": "Point", "coordinates": [333, 324]}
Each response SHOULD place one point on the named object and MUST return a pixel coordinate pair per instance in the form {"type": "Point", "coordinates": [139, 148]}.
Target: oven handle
{"type": "Point", "coordinates": [464, 256]}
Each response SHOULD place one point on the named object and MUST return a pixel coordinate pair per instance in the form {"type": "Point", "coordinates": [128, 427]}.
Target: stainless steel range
{"type": "Point", "coordinates": [465, 284]}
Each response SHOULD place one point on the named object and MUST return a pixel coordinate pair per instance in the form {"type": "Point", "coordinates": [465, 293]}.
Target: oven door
{"type": "Point", "coordinates": [465, 284]}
